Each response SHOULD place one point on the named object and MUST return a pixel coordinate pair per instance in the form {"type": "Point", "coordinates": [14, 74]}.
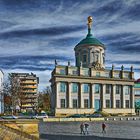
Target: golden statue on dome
{"type": "Point", "coordinates": [90, 22]}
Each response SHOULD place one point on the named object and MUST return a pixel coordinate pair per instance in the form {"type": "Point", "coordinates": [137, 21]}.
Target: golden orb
{"type": "Point", "coordinates": [90, 19]}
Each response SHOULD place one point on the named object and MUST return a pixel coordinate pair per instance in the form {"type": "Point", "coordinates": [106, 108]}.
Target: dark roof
{"type": "Point", "coordinates": [137, 81]}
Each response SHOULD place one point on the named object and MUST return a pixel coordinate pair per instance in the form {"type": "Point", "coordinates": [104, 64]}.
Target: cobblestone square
{"type": "Point", "coordinates": [71, 130]}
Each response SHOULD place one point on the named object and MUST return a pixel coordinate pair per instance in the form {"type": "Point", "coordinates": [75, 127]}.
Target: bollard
{"type": "Point", "coordinates": [107, 119]}
{"type": "Point", "coordinates": [127, 119]}
{"type": "Point", "coordinates": [114, 119]}
{"type": "Point", "coordinates": [121, 119]}
{"type": "Point", "coordinates": [134, 119]}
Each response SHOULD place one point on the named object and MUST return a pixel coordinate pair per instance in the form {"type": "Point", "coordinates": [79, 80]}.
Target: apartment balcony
{"type": "Point", "coordinates": [29, 91]}
{"type": "Point", "coordinates": [28, 106]}
{"type": "Point", "coordinates": [28, 82]}
{"type": "Point", "coordinates": [29, 87]}
{"type": "Point", "coordinates": [29, 101]}
{"type": "Point", "coordinates": [29, 96]}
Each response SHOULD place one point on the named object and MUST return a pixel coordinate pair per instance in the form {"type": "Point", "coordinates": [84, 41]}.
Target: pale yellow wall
{"type": "Point", "coordinates": [121, 110]}
{"type": "Point", "coordinates": [68, 111]}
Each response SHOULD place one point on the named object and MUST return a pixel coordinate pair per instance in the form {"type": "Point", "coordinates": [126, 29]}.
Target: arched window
{"type": "Point", "coordinates": [96, 57]}
{"type": "Point", "coordinates": [84, 56]}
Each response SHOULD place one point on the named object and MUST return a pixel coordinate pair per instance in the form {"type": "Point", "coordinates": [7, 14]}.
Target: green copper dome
{"type": "Point", "coordinates": [90, 40]}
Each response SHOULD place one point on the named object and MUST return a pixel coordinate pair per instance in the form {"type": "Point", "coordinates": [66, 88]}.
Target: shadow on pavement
{"type": "Point", "coordinates": [72, 137]}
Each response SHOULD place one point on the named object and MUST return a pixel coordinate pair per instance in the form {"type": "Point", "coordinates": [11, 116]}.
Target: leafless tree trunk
{"type": "Point", "coordinates": [15, 91]}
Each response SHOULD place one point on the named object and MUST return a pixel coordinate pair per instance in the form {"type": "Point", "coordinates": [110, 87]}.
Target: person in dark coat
{"type": "Point", "coordinates": [82, 128]}
{"type": "Point", "coordinates": [103, 127]}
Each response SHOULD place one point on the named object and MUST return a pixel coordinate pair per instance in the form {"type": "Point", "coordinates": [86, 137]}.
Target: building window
{"type": "Point", "coordinates": [62, 103]}
{"type": "Point", "coordinates": [85, 88]}
{"type": "Point", "coordinates": [108, 89]}
{"type": "Point", "coordinates": [137, 92]}
{"type": "Point", "coordinates": [97, 88]}
{"type": "Point", "coordinates": [127, 105]}
{"type": "Point", "coordinates": [108, 104]}
{"type": "Point", "coordinates": [118, 89]}
{"type": "Point", "coordinates": [137, 103]}
{"type": "Point", "coordinates": [96, 58]}
{"type": "Point", "coordinates": [77, 61]}
{"type": "Point", "coordinates": [127, 90]}
{"type": "Point", "coordinates": [62, 87]}
{"type": "Point", "coordinates": [118, 105]}
{"type": "Point", "coordinates": [75, 104]}
{"type": "Point", "coordinates": [62, 71]}
{"type": "Point", "coordinates": [84, 58]}
{"type": "Point", "coordinates": [74, 87]}
{"type": "Point", "coordinates": [97, 74]}
{"type": "Point", "coordinates": [86, 103]}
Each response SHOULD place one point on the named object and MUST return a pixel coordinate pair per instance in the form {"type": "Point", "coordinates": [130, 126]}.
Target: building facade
{"type": "Point", "coordinates": [26, 87]}
{"type": "Point", "coordinates": [137, 96]}
{"type": "Point", "coordinates": [88, 87]}
{"type": "Point", "coordinates": [1, 92]}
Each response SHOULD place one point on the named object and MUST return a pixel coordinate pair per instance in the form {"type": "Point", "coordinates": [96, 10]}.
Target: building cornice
{"type": "Point", "coordinates": [94, 78]}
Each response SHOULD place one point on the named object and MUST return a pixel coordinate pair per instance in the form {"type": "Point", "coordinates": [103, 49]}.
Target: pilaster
{"type": "Point", "coordinates": [68, 95]}
{"type": "Point", "coordinates": [102, 96]}
{"type": "Point", "coordinates": [91, 96]}
{"type": "Point", "coordinates": [113, 100]}
{"type": "Point", "coordinates": [122, 96]}
{"type": "Point", "coordinates": [80, 98]}
{"type": "Point", "coordinates": [57, 95]}
{"type": "Point", "coordinates": [132, 97]}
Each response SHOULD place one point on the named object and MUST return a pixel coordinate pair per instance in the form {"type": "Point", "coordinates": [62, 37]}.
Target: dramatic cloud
{"type": "Point", "coordinates": [33, 33]}
{"type": "Point", "coordinates": [54, 31]}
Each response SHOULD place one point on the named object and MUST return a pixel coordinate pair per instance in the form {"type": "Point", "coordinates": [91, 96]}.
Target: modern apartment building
{"type": "Point", "coordinates": [26, 84]}
{"type": "Point", "coordinates": [89, 86]}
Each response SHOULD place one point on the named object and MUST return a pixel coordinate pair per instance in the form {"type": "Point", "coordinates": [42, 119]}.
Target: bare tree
{"type": "Point", "coordinates": [6, 96]}
{"type": "Point", "coordinates": [11, 92]}
{"type": "Point", "coordinates": [44, 99]}
{"type": "Point", "coordinates": [15, 91]}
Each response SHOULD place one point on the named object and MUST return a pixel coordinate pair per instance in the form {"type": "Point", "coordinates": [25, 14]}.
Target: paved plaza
{"type": "Point", "coordinates": [116, 130]}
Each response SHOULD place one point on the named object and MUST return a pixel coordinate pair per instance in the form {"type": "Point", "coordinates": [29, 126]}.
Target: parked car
{"type": "Point", "coordinates": [9, 117]}
{"type": "Point", "coordinates": [41, 116]}
{"type": "Point", "coordinates": [95, 115]}
{"type": "Point", "coordinates": [1, 118]}
{"type": "Point", "coordinates": [76, 116]}
{"type": "Point", "coordinates": [23, 116]}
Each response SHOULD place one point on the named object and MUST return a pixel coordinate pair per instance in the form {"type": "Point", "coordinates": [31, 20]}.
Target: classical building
{"type": "Point", "coordinates": [88, 86]}
{"type": "Point", "coordinates": [137, 95]}
{"type": "Point", "coordinates": [1, 92]}
{"type": "Point", "coordinates": [26, 86]}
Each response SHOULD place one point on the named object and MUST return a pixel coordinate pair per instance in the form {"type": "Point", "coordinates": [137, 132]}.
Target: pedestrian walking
{"type": "Point", "coordinates": [82, 128]}
{"type": "Point", "coordinates": [103, 128]}
{"type": "Point", "coordinates": [86, 128]}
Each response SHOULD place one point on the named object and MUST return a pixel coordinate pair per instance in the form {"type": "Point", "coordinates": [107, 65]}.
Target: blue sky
{"type": "Point", "coordinates": [33, 33]}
